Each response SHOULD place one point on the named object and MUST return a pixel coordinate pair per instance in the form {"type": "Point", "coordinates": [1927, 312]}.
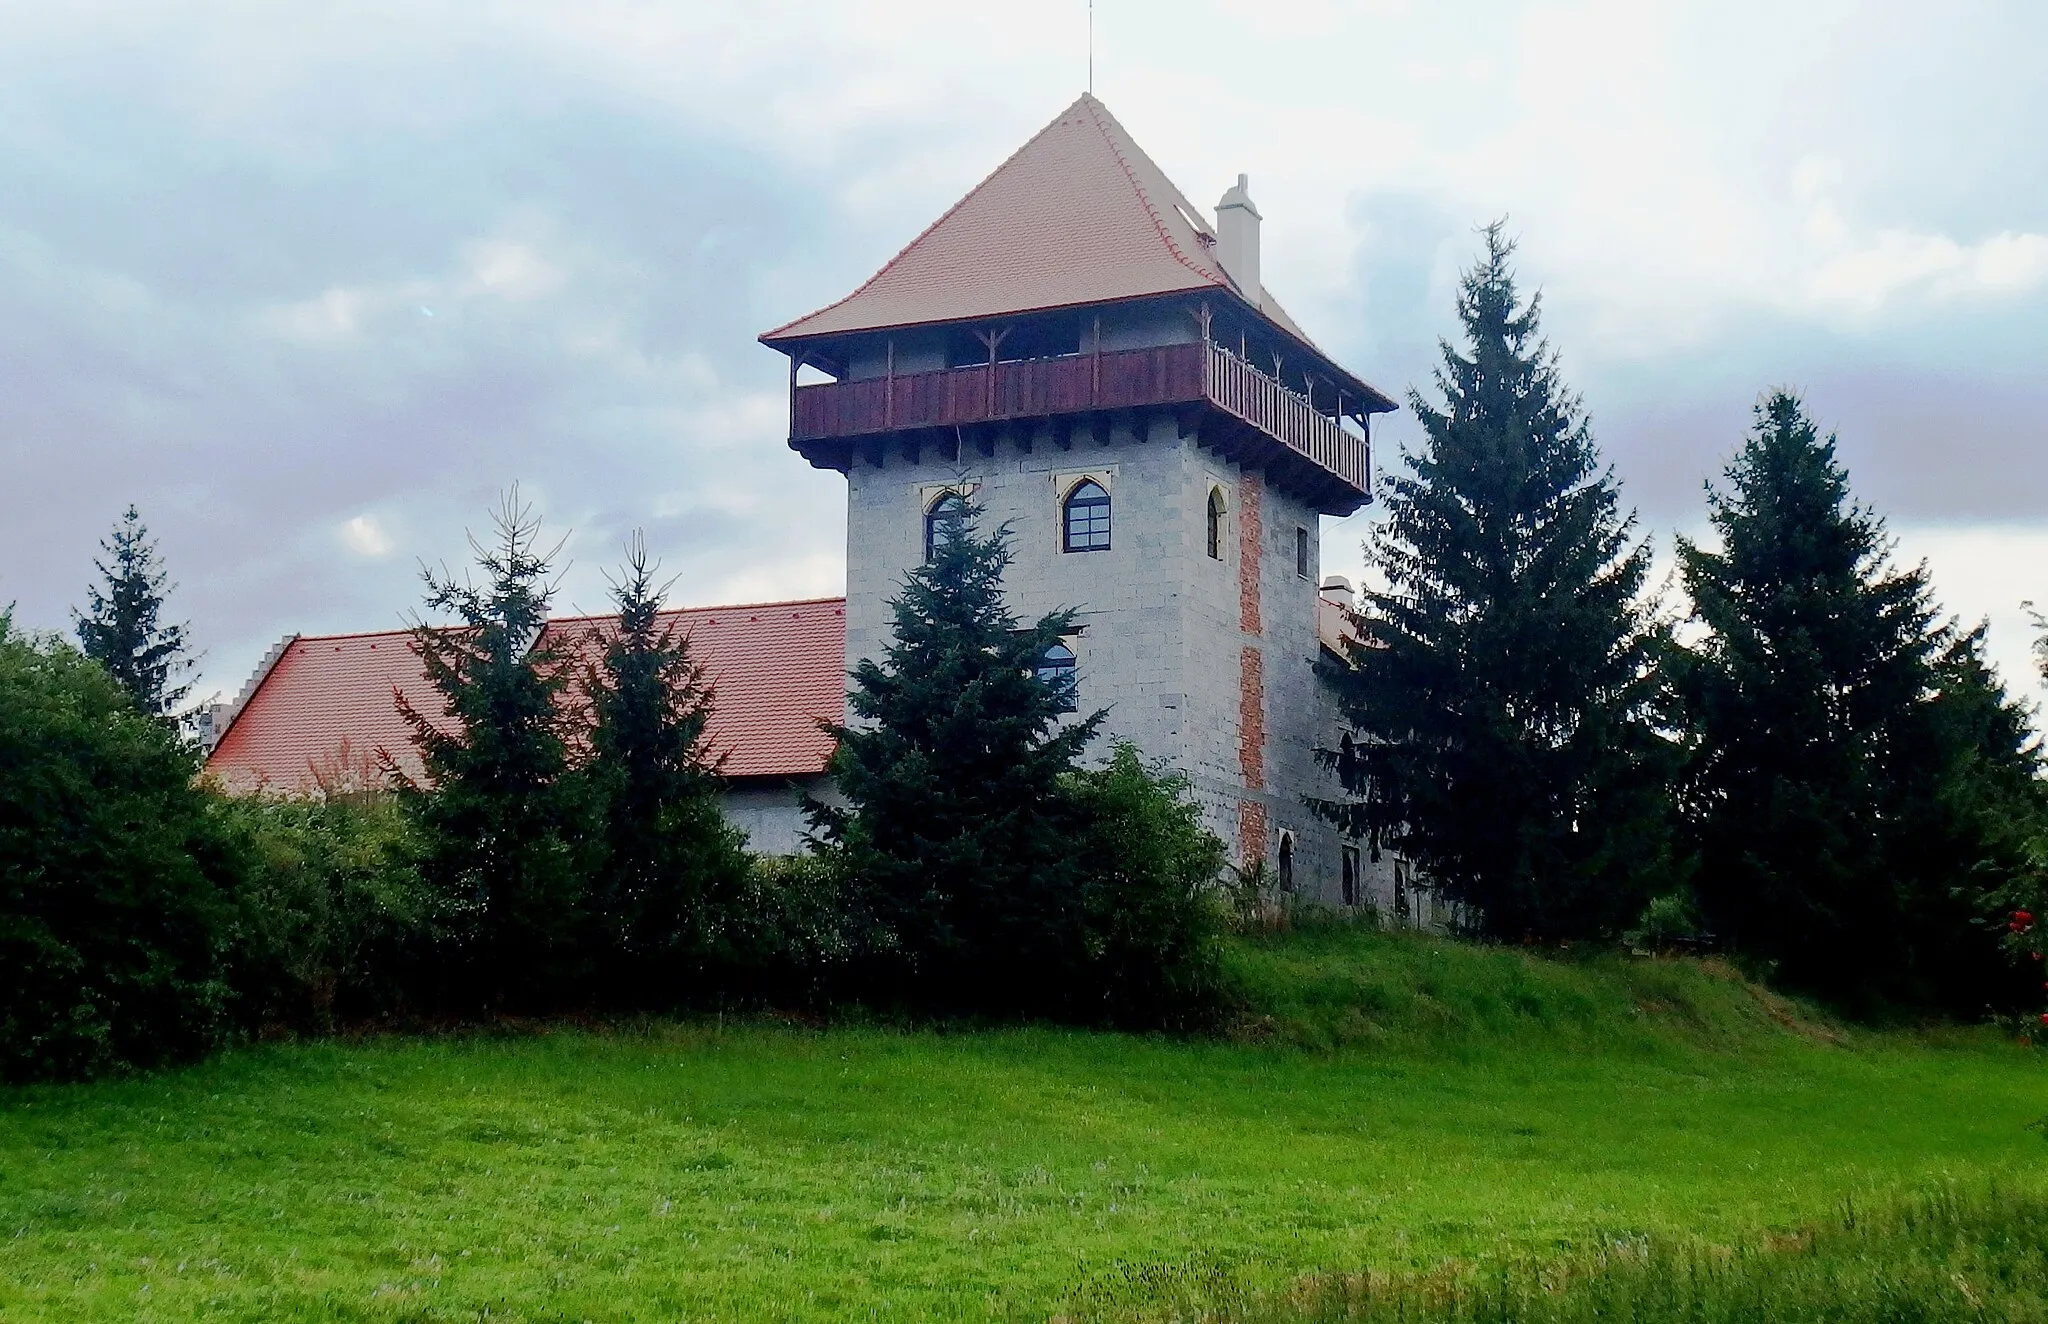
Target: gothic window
{"type": "Point", "coordinates": [1215, 524]}
{"type": "Point", "coordinates": [1301, 552]}
{"type": "Point", "coordinates": [1287, 861]}
{"type": "Point", "coordinates": [1056, 671]}
{"type": "Point", "coordinates": [1086, 518]}
{"type": "Point", "coordinates": [945, 517]}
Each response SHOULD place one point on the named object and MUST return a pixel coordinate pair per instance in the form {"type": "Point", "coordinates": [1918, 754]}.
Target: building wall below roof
{"type": "Point", "coordinates": [771, 813]}
{"type": "Point", "coordinates": [1224, 692]}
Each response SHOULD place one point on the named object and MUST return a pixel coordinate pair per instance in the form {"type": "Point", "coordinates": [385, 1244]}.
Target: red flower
{"type": "Point", "coordinates": [2023, 916]}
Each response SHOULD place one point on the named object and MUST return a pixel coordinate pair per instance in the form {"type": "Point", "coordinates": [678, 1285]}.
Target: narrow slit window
{"type": "Point", "coordinates": [1301, 552]}
{"type": "Point", "coordinates": [1086, 518]}
{"type": "Point", "coordinates": [1287, 862]}
{"type": "Point", "coordinates": [1215, 524]}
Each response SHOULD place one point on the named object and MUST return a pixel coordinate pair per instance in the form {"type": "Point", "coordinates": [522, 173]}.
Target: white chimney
{"type": "Point", "coordinates": [1237, 240]}
{"type": "Point", "coordinates": [1337, 589]}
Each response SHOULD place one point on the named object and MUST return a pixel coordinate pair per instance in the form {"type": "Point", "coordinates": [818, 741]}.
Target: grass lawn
{"type": "Point", "coordinates": [1398, 1101]}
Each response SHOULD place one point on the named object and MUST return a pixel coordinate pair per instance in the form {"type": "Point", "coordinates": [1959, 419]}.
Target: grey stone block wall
{"type": "Point", "coordinates": [1162, 637]}
{"type": "Point", "coordinates": [771, 812]}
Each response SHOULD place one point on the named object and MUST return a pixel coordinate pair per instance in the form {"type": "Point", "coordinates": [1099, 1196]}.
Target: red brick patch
{"type": "Point", "coordinates": [1251, 718]}
{"type": "Point", "coordinates": [1251, 832]}
{"type": "Point", "coordinates": [1250, 538]}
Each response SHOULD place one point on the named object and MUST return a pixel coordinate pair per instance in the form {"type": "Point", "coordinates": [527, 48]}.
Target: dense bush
{"type": "Point", "coordinates": [1151, 909]}
{"type": "Point", "coordinates": [117, 885]}
{"type": "Point", "coordinates": [333, 918]}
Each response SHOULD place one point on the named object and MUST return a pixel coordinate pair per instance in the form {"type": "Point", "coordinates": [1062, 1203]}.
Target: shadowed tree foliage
{"type": "Point", "coordinates": [1505, 681]}
{"type": "Point", "coordinates": [667, 896]}
{"type": "Point", "coordinates": [982, 870]}
{"type": "Point", "coordinates": [1855, 756]}
{"type": "Point", "coordinates": [500, 819]}
{"type": "Point", "coordinates": [123, 630]}
{"type": "Point", "coordinates": [955, 839]}
{"type": "Point", "coordinates": [117, 890]}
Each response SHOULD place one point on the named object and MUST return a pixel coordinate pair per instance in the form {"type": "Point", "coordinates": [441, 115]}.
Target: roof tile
{"type": "Point", "coordinates": [328, 703]}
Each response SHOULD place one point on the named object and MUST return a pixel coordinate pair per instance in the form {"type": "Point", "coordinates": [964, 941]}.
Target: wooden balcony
{"type": "Point", "coordinates": [1217, 397]}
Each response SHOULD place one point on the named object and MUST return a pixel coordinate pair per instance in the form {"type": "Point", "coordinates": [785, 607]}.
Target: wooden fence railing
{"type": "Point", "coordinates": [1079, 383]}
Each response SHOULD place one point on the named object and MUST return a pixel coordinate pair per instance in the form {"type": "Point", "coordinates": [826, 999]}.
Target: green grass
{"type": "Point", "coordinates": [1399, 1102]}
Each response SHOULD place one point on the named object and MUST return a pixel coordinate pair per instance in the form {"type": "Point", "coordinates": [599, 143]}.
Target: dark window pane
{"type": "Point", "coordinates": [945, 518]}
{"type": "Point", "coordinates": [1087, 519]}
{"type": "Point", "coordinates": [1056, 669]}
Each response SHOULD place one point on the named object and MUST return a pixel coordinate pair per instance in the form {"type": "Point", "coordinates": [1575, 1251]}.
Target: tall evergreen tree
{"type": "Point", "coordinates": [955, 838]}
{"type": "Point", "coordinates": [666, 894]}
{"type": "Point", "coordinates": [499, 816]}
{"type": "Point", "coordinates": [1853, 750]}
{"type": "Point", "coordinates": [123, 630]}
{"type": "Point", "coordinates": [1505, 680]}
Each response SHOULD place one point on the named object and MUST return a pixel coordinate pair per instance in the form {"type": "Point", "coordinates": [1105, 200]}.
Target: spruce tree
{"type": "Point", "coordinates": [955, 838]}
{"type": "Point", "coordinates": [500, 818]}
{"type": "Point", "coordinates": [124, 630]}
{"type": "Point", "coordinates": [1850, 745]}
{"type": "Point", "coordinates": [666, 895]}
{"type": "Point", "coordinates": [1505, 679]}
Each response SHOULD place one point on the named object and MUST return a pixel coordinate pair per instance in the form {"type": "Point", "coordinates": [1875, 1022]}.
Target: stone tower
{"type": "Point", "coordinates": [1079, 349]}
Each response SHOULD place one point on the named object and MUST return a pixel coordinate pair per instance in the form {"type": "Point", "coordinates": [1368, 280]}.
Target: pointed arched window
{"type": "Point", "coordinates": [1216, 524]}
{"type": "Point", "coordinates": [943, 519]}
{"type": "Point", "coordinates": [1287, 861]}
{"type": "Point", "coordinates": [1086, 518]}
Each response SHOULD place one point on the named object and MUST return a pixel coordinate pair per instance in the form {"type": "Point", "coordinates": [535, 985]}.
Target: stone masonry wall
{"type": "Point", "coordinates": [1207, 663]}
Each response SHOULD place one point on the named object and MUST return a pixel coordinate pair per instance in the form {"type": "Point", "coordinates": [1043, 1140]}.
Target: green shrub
{"type": "Point", "coordinates": [1151, 913]}
{"type": "Point", "coordinates": [333, 913]}
{"type": "Point", "coordinates": [116, 884]}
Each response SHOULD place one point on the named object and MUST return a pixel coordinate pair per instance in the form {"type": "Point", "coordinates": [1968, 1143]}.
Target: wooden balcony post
{"type": "Point", "coordinates": [889, 384]}
{"type": "Point", "coordinates": [1095, 367]}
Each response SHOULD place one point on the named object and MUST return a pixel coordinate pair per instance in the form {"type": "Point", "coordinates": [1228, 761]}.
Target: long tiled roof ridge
{"type": "Point", "coordinates": [839, 600]}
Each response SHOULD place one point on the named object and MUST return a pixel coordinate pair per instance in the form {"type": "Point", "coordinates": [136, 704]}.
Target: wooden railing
{"type": "Point", "coordinates": [1079, 383]}
{"type": "Point", "coordinates": [1238, 388]}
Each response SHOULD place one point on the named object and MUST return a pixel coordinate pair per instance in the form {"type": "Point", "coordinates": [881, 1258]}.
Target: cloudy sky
{"type": "Point", "coordinates": [310, 283]}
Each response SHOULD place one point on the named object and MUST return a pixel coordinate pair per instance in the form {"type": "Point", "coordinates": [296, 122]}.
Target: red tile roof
{"type": "Point", "coordinates": [326, 705]}
{"type": "Point", "coordinates": [1078, 215]}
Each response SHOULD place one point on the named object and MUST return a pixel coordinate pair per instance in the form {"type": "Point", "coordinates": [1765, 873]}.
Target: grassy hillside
{"type": "Point", "coordinates": [1393, 1102]}
{"type": "Point", "coordinates": [1335, 985]}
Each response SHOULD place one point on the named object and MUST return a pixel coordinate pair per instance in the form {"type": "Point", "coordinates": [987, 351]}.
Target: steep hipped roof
{"type": "Point", "coordinates": [1079, 215]}
{"type": "Point", "coordinates": [327, 704]}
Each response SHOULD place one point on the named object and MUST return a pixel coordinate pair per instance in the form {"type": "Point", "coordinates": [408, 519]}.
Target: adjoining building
{"type": "Point", "coordinates": [1079, 351]}
{"type": "Point", "coordinates": [321, 710]}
